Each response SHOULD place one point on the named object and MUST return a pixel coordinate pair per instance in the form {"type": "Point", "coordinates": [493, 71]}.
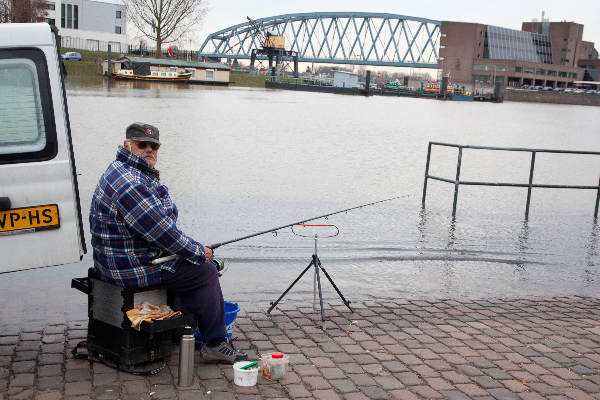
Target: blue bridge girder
{"type": "Point", "coordinates": [358, 38]}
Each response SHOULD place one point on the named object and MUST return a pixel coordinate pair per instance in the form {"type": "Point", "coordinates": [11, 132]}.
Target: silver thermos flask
{"type": "Point", "coordinates": [186, 357]}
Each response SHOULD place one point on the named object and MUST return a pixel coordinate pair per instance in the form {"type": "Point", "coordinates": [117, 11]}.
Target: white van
{"type": "Point", "coordinates": [40, 215]}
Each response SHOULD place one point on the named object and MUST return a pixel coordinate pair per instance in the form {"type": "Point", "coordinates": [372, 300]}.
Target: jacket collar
{"type": "Point", "coordinates": [132, 160]}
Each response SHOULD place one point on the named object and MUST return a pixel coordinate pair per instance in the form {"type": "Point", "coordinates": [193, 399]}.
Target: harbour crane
{"type": "Point", "coordinates": [272, 47]}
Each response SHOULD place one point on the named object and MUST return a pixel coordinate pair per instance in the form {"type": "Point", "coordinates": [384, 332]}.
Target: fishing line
{"type": "Point", "coordinates": [274, 230]}
{"type": "Point", "coordinates": [217, 245]}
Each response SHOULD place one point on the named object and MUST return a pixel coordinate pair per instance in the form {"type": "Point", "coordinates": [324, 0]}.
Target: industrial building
{"type": "Point", "coordinates": [548, 54]}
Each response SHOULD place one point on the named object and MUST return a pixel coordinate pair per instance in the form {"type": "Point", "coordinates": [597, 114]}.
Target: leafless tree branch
{"type": "Point", "coordinates": [164, 21]}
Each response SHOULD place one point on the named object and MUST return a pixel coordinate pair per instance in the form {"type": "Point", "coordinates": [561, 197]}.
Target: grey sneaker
{"type": "Point", "coordinates": [224, 352]}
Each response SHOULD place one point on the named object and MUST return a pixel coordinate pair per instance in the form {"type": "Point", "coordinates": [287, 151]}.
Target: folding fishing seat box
{"type": "Point", "coordinates": [111, 339]}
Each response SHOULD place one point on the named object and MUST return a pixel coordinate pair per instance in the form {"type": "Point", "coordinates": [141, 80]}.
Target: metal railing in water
{"type": "Point", "coordinates": [530, 185]}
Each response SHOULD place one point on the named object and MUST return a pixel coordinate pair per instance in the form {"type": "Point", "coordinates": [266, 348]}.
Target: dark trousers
{"type": "Point", "coordinates": [196, 289]}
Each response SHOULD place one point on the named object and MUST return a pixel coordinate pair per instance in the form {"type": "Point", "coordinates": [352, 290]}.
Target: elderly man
{"type": "Point", "coordinates": [133, 221]}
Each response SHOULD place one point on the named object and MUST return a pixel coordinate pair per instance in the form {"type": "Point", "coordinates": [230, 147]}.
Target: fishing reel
{"type": "Point", "coordinates": [219, 264]}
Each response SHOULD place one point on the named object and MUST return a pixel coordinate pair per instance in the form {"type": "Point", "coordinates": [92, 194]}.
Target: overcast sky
{"type": "Point", "coordinates": [508, 13]}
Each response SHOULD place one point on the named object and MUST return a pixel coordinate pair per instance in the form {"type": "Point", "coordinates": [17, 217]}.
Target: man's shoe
{"type": "Point", "coordinates": [224, 352]}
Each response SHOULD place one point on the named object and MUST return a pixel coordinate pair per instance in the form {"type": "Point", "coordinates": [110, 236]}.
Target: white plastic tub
{"type": "Point", "coordinates": [244, 377]}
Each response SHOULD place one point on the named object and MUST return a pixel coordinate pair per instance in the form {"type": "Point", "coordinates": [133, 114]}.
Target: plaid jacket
{"type": "Point", "coordinates": [132, 222]}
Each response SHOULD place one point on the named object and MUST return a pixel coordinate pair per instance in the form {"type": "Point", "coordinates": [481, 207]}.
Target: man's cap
{"type": "Point", "coordinates": [142, 132]}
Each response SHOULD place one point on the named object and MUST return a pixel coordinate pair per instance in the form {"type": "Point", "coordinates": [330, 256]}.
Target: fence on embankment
{"type": "Point", "coordinates": [530, 185]}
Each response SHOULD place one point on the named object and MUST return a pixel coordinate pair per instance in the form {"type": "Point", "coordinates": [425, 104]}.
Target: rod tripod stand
{"type": "Point", "coordinates": [316, 264]}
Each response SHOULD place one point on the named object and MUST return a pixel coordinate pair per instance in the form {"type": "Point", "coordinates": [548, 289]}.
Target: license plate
{"type": "Point", "coordinates": [29, 219]}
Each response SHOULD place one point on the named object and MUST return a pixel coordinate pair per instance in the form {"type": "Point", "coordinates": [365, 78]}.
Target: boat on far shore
{"type": "Point", "coordinates": [161, 76]}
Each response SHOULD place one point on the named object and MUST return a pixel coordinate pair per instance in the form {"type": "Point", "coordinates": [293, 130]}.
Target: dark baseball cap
{"type": "Point", "coordinates": [142, 132]}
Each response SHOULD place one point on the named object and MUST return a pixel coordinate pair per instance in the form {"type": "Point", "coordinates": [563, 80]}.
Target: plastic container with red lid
{"type": "Point", "coordinates": [274, 365]}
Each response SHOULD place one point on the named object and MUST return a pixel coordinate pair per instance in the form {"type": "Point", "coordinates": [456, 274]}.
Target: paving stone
{"type": "Point", "coordinates": [439, 384]}
{"type": "Point", "coordinates": [486, 382]}
{"type": "Point", "coordinates": [20, 367]}
{"type": "Point", "coordinates": [403, 394]}
{"type": "Point", "coordinates": [134, 387]}
{"type": "Point", "coordinates": [394, 366]}
{"type": "Point", "coordinates": [22, 394]}
{"type": "Point", "coordinates": [352, 368]}
{"type": "Point", "coordinates": [574, 393]}
{"type": "Point", "coordinates": [425, 371]}
{"type": "Point", "coordinates": [586, 385]}
{"type": "Point", "coordinates": [469, 370]}
{"type": "Point", "coordinates": [306, 370]}
{"type": "Point", "coordinates": [20, 380]}
{"type": "Point", "coordinates": [51, 358]}
{"type": "Point", "coordinates": [409, 378]}
{"type": "Point", "coordinates": [315, 382]}
{"type": "Point", "coordinates": [503, 394]}
{"type": "Point", "coordinates": [454, 395]}
{"type": "Point", "coordinates": [26, 355]}
{"type": "Point", "coordinates": [362, 380]}
{"type": "Point", "coordinates": [53, 348]}
{"type": "Point", "coordinates": [514, 385]}
{"type": "Point", "coordinates": [355, 396]}
{"type": "Point", "coordinates": [471, 390]}
{"type": "Point", "coordinates": [543, 388]}
{"type": "Point", "coordinates": [343, 385]}
{"type": "Point", "coordinates": [50, 382]}
{"type": "Point", "coordinates": [163, 391]}
{"type": "Point", "coordinates": [388, 382]}
{"type": "Point", "coordinates": [106, 392]}
{"type": "Point", "coordinates": [77, 388]}
{"type": "Point", "coordinates": [49, 395]}
{"type": "Point", "coordinates": [298, 391]}
{"type": "Point", "coordinates": [332, 373]}
{"type": "Point", "coordinates": [374, 392]}
{"type": "Point", "coordinates": [326, 395]}
{"type": "Point", "coordinates": [426, 392]}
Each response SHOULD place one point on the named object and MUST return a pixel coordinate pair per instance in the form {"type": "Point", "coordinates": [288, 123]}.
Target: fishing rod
{"type": "Point", "coordinates": [217, 245]}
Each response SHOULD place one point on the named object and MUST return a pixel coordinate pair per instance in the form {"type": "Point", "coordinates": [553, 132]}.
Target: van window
{"type": "Point", "coordinates": [27, 129]}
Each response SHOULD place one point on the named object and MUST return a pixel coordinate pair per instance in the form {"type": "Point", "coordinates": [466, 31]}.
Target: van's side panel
{"type": "Point", "coordinates": [37, 183]}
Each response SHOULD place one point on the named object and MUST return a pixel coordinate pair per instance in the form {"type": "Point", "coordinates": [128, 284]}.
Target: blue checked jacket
{"type": "Point", "coordinates": [132, 222]}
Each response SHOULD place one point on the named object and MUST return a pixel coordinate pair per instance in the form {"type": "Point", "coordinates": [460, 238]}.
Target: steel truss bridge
{"type": "Point", "coordinates": [338, 38]}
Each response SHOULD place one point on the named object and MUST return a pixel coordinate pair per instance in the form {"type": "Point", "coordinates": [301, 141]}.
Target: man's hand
{"type": "Point", "coordinates": [208, 253]}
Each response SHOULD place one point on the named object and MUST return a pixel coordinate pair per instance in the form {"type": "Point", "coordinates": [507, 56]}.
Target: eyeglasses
{"type": "Point", "coordinates": [142, 145]}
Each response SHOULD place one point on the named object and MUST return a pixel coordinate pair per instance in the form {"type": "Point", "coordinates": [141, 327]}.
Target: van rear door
{"type": "Point", "coordinates": [40, 216]}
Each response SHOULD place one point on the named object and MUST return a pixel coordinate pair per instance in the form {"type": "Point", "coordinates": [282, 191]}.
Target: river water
{"type": "Point", "coordinates": [241, 160]}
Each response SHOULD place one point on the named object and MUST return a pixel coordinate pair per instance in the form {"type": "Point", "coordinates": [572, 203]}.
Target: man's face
{"type": "Point", "coordinates": [147, 150]}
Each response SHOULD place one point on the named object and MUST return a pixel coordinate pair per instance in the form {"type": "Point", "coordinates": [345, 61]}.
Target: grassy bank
{"type": "Point", "coordinates": [90, 68]}
{"type": "Point", "coordinates": [239, 79]}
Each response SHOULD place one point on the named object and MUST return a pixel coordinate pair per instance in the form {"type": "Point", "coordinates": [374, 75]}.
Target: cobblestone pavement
{"type": "Point", "coordinates": [492, 349]}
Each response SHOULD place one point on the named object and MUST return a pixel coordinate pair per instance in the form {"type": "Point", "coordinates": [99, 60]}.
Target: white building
{"type": "Point", "coordinates": [89, 24]}
{"type": "Point", "coordinates": [345, 79]}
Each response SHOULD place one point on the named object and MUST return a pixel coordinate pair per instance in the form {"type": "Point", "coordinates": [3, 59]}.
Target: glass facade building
{"type": "Point", "coordinates": [509, 44]}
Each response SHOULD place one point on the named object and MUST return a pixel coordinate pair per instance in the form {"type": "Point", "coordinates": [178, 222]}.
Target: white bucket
{"type": "Point", "coordinates": [244, 377]}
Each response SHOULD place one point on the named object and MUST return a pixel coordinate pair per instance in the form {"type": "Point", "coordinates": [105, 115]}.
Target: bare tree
{"type": "Point", "coordinates": [164, 21]}
{"type": "Point", "coordinates": [22, 10]}
{"type": "Point", "coordinates": [5, 11]}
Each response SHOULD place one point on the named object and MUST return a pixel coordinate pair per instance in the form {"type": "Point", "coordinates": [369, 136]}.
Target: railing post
{"type": "Point", "coordinates": [426, 174]}
{"type": "Point", "coordinates": [597, 201]}
{"type": "Point", "coordinates": [456, 182]}
{"type": "Point", "coordinates": [530, 182]}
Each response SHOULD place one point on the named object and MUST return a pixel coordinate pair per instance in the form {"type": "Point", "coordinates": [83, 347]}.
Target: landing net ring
{"type": "Point", "coordinates": [337, 230]}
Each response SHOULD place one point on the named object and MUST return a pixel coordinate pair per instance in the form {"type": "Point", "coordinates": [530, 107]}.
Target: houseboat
{"type": "Point", "coordinates": [152, 69]}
